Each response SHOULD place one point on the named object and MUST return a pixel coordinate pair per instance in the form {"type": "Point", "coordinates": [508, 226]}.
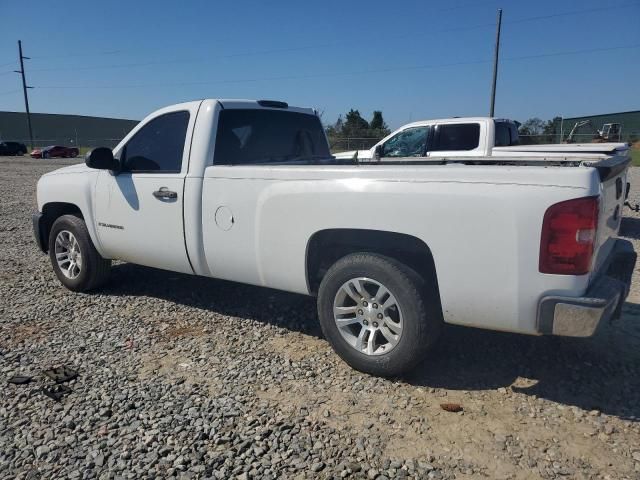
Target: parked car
{"type": "Point", "coordinates": [12, 148]}
{"type": "Point", "coordinates": [466, 137]}
{"type": "Point", "coordinates": [55, 151]}
{"type": "Point", "coordinates": [247, 191]}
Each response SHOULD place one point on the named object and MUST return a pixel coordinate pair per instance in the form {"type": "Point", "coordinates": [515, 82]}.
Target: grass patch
{"type": "Point", "coordinates": [635, 157]}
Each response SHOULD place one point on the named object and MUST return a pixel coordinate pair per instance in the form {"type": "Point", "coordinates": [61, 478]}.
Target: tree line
{"type": "Point", "coordinates": [535, 130]}
{"type": "Point", "coordinates": [353, 125]}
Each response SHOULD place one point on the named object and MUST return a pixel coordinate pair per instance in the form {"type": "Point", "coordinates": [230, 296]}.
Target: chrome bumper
{"type": "Point", "coordinates": [580, 316]}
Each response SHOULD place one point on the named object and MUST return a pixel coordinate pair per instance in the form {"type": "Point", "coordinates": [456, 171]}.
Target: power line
{"type": "Point", "coordinates": [70, 55]}
{"type": "Point", "coordinates": [572, 52]}
{"type": "Point", "coordinates": [250, 53]}
{"type": "Point", "coordinates": [10, 91]}
{"type": "Point", "coordinates": [338, 74]}
{"type": "Point", "coordinates": [574, 12]}
{"type": "Point", "coordinates": [311, 46]}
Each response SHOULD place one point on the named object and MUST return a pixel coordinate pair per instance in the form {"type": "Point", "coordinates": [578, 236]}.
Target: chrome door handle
{"type": "Point", "coordinates": [165, 193]}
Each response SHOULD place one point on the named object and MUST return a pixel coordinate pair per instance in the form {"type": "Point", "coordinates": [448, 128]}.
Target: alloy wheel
{"type": "Point", "coordinates": [368, 316]}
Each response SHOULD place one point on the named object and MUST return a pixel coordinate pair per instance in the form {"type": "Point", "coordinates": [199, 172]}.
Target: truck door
{"type": "Point", "coordinates": [139, 209]}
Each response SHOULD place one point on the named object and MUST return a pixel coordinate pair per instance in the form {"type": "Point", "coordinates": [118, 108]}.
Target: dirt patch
{"type": "Point", "coordinates": [177, 331]}
{"type": "Point", "coordinates": [489, 428]}
{"type": "Point", "coordinates": [21, 333]}
{"type": "Point", "coordinates": [297, 346]}
{"type": "Point", "coordinates": [176, 368]}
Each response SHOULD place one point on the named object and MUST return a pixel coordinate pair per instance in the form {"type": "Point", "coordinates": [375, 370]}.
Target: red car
{"type": "Point", "coordinates": [54, 151]}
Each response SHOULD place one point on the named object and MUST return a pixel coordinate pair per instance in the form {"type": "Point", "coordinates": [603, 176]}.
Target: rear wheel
{"type": "Point", "coordinates": [375, 312]}
{"type": "Point", "coordinates": [74, 258]}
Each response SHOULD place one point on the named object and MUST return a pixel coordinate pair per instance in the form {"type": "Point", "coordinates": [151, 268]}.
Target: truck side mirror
{"type": "Point", "coordinates": [101, 158]}
{"type": "Point", "coordinates": [378, 152]}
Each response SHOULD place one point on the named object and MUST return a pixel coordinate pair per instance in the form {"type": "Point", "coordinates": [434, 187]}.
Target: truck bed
{"type": "Point", "coordinates": [563, 148]}
{"type": "Point", "coordinates": [607, 165]}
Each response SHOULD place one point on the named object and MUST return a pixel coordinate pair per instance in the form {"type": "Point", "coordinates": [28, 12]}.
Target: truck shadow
{"type": "Point", "coordinates": [593, 373]}
{"type": "Point", "coordinates": [597, 373]}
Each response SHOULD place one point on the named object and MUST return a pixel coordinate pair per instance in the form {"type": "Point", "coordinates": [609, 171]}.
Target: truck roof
{"type": "Point", "coordinates": [420, 123]}
{"type": "Point", "coordinates": [257, 104]}
{"type": "Point", "coordinates": [233, 103]}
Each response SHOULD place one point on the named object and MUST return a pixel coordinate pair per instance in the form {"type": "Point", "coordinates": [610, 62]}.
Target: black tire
{"type": "Point", "coordinates": [95, 269]}
{"type": "Point", "coordinates": [421, 316]}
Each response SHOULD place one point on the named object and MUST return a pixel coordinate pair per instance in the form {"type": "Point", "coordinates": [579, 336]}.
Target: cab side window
{"type": "Point", "coordinates": [456, 136]}
{"type": "Point", "coordinates": [411, 142]}
{"type": "Point", "coordinates": [158, 146]}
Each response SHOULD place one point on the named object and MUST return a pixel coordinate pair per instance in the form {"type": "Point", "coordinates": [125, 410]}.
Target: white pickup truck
{"type": "Point", "coordinates": [469, 137]}
{"type": "Point", "coordinates": [248, 191]}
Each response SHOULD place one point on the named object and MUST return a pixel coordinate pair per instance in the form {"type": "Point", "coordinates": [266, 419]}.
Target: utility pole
{"type": "Point", "coordinates": [24, 89]}
{"type": "Point", "coordinates": [495, 64]}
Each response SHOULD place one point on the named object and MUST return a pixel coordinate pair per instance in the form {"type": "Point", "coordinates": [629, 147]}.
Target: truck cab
{"type": "Point", "coordinates": [473, 137]}
{"type": "Point", "coordinates": [451, 137]}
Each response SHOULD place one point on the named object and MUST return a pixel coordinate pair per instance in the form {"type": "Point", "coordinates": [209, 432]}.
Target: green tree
{"type": "Point", "coordinates": [533, 126]}
{"type": "Point", "coordinates": [335, 130]}
{"type": "Point", "coordinates": [354, 124]}
{"type": "Point", "coordinates": [353, 131]}
{"type": "Point", "coordinates": [551, 130]}
{"type": "Point", "coordinates": [377, 122]}
{"type": "Point", "coordinates": [531, 131]}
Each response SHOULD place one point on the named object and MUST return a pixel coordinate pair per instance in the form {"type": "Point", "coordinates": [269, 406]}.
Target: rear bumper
{"type": "Point", "coordinates": [39, 231]}
{"type": "Point", "coordinates": [580, 316]}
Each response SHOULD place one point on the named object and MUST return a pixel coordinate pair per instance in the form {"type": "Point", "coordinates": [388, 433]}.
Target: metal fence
{"type": "Point", "coordinates": [341, 144]}
{"type": "Point", "coordinates": [626, 137]}
{"type": "Point", "coordinates": [82, 143]}
{"type": "Point", "coordinates": [337, 144]}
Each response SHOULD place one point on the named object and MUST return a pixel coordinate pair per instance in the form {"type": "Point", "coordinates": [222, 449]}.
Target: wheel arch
{"type": "Point", "coordinates": [325, 247]}
{"type": "Point", "coordinates": [50, 213]}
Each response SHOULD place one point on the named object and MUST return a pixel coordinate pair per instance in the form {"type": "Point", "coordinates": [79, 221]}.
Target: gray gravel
{"type": "Point", "coordinates": [197, 378]}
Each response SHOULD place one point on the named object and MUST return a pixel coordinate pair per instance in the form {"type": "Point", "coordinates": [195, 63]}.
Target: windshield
{"type": "Point", "coordinates": [258, 136]}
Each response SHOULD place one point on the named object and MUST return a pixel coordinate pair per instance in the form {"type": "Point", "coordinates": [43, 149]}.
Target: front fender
{"type": "Point", "coordinates": [73, 187]}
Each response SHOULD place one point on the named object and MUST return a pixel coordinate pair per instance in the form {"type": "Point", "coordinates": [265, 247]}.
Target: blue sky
{"type": "Point", "coordinates": [411, 59]}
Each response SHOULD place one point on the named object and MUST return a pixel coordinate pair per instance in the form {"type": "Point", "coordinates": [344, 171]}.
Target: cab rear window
{"type": "Point", "coordinates": [506, 134]}
{"type": "Point", "coordinates": [264, 136]}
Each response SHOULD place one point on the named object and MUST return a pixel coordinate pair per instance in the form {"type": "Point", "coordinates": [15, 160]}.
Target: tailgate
{"type": "Point", "coordinates": [613, 178]}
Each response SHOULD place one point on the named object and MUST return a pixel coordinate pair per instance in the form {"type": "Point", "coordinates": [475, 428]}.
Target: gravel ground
{"type": "Point", "coordinates": [197, 378]}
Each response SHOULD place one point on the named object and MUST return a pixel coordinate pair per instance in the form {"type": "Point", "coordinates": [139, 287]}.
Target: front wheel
{"type": "Point", "coordinates": [374, 311]}
{"type": "Point", "coordinates": [75, 260]}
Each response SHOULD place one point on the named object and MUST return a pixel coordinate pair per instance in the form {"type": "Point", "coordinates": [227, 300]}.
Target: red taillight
{"type": "Point", "coordinates": [568, 236]}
